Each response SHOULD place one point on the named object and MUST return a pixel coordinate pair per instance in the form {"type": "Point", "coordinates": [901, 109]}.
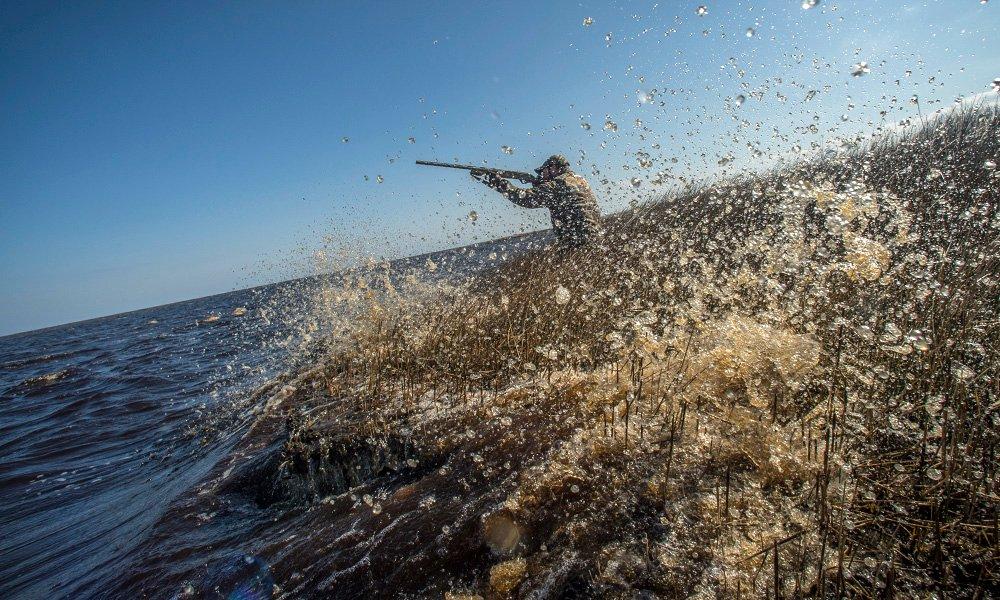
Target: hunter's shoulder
{"type": "Point", "coordinates": [572, 180]}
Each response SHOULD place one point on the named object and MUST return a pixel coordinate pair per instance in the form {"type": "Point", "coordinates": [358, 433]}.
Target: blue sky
{"type": "Point", "coordinates": [157, 152]}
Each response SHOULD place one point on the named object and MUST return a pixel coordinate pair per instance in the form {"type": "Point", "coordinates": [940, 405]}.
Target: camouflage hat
{"type": "Point", "coordinates": [556, 160]}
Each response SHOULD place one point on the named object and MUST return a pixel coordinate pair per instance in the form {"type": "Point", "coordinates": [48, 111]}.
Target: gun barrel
{"type": "Point", "coordinates": [431, 163]}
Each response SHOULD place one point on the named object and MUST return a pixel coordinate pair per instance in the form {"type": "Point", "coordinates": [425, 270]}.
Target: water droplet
{"type": "Point", "coordinates": [610, 125]}
{"type": "Point", "coordinates": [608, 38]}
{"type": "Point", "coordinates": [996, 85]}
{"type": "Point", "coordinates": [473, 216]}
{"type": "Point", "coordinates": [379, 178]}
{"type": "Point", "coordinates": [807, 4]}
{"type": "Point", "coordinates": [585, 125]}
{"type": "Point", "coordinates": [636, 182]}
{"type": "Point", "coordinates": [702, 10]}
{"type": "Point", "coordinates": [412, 140]}
{"type": "Point", "coordinates": [963, 372]}
{"type": "Point", "coordinates": [934, 474]}
{"type": "Point", "coordinates": [740, 100]}
{"type": "Point", "coordinates": [344, 140]}
{"type": "Point", "coordinates": [860, 69]}
{"type": "Point", "coordinates": [562, 295]}
{"type": "Point", "coordinates": [990, 165]}
{"type": "Point", "coordinates": [751, 32]}
{"type": "Point", "coordinates": [588, 21]}
{"type": "Point", "coordinates": [507, 149]}
{"type": "Point", "coordinates": [574, 488]}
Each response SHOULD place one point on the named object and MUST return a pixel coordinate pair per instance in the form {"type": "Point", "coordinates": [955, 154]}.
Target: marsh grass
{"type": "Point", "coordinates": [787, 383]}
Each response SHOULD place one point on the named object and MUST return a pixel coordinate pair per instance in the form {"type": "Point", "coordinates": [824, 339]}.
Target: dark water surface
{"type": "Point", "coordinates": [105, 424]}
{"type": "Point", "coordinates": [97, 430]}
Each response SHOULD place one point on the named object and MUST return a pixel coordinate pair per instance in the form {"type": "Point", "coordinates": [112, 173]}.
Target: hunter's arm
{"type": "Point", "coordinates": [527, 198]}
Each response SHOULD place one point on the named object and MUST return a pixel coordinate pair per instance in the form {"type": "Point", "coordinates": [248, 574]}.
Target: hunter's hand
{"type": "Point", "coordinates": [485, 177]}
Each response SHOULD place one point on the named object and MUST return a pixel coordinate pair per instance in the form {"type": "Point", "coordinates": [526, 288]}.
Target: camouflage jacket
{"type": "Point", "coordinates": [571, 203]}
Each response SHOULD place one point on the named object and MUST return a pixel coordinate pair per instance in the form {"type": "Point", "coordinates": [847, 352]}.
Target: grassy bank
{"type": "Point", "coordinates": [780, 384]}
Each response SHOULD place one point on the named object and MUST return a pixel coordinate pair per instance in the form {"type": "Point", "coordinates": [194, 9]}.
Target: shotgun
{"type": "Point", "coordinates": [501, 173]}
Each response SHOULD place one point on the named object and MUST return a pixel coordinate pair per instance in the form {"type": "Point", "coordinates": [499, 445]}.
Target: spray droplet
{"type": "Point", "coordinates": [562, 295]}
{"type": "Point", "coordinates": [807, 4]}
{"type": "Point", "coordinates": [740, 100]}
{"type": "Point", "coordinates": [610, 125]}
{"type": "Point", "coordinates": [751, 32]}
{"type": "Point", "coordinates": [608, 37]}
{"type": "Point", "coordinates": [990, 165]}
{"type": "Point", "coordinates": [963, 372]}
{"type": "Point", "coordinates": [344, 140]}
{"type": "Point", "coordinates": [585, 125]}
{"type": "Point", "coordinates": [860, 69]}
{"type": "Point", "coordinates": [473, 216]}
{"type": "Point", "coordinates": [379, 178]}
{"type": "Point", "coordinates": [636, 182]}
{"type": "Point", "coordinates": [702, 10]}
{"type": "Point", "coordinates": [412, 140]}
{"type": "Point", "coordinates": [507, 149]}
{"type": "Point", "coordinates": [588, 21]}
{"type": "Point", "coordinates": [996, 85]}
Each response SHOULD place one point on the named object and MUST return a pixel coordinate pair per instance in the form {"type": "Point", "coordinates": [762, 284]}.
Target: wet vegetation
{"type": "Point", "coordinates": [778, 385]}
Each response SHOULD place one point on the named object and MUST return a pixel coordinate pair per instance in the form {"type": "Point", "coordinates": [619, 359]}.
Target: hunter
{"type": "Point", "coordinates": [571, 203]}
